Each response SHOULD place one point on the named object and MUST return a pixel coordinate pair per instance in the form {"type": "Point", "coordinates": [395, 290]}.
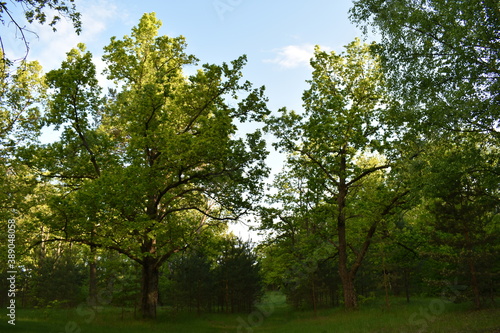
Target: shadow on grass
{"type": "Point", "coordinates": [372, 317]}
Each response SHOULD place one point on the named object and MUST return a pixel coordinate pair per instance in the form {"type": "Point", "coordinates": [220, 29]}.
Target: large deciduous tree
{"type": "Point", "coordinates": [342, 122]}
{"type": "Point", "coordinates": [145, 171]}
{"type": "Point", "coordinates": [442, 60]}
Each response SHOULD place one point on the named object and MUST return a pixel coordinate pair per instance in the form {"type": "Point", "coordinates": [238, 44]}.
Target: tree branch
{"type": "Point", "coordinates": [367, 172]}
{"type": "Point", "coordinates": [364, 248]}
{"type": "Point", "coordinates": [90, 243]}
{"type": "Point", "coordinates": [321, 166]}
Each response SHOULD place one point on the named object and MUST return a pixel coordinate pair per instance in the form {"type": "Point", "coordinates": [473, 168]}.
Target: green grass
{"type": "Point", "coordinates": [421, 315]}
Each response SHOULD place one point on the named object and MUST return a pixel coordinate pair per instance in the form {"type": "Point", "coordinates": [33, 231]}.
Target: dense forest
{"type": "Point", "coordinates": [390, 185]}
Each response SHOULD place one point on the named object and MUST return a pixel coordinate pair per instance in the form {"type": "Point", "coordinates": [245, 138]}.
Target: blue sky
{"type": "Point", "coordinates": [277, 36]}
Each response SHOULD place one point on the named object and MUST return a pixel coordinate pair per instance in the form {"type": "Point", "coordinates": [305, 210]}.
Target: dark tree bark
{"type": "Point", "coordinates": [93, 276]}
{"type": "Point", "coordinates": [346, 275]}
{"type": "Point", "coordinates": [150, 278]}
{"type": "Point", "coordinates": [93, 270]}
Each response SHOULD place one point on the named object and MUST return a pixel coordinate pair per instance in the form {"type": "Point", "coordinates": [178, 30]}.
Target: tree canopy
{"type": "Point", "coordinates": [329, 148]}
{"type": "Point", "coordinates": [441, 59]}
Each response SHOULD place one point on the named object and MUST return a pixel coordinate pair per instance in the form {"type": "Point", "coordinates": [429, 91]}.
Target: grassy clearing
{"type": "Point", "coordinates": [421, 315]}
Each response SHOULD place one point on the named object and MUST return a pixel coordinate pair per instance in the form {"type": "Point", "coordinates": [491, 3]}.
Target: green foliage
{"type": "Point", "coordinates": [35, 11]}
{"type": "Point", "coordinates": [331, 145]}
{"type": "Point", "coordinates": [463, 204]}
{"type": "Point", "coordinates": [159, 152]}
{"type": "Point", "coordinates": [56, 280]}
{"type": "Point", "coordinates": [191, 283]}
{"type": "Point", "coordinates": [146, 169]}
{"type": "Point", "coordinates": [229, 281]}
{"type": "Point", "coordinates": [21, 94]}
{"type": "Point", "coordinates": [441, 60]}
{"type": "Point", "coordinates": [238, 277]}
{"type": "Point", "coordinates": [336, 185]}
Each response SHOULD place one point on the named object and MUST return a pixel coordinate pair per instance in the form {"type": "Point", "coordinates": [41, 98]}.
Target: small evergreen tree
{"type": "Point", "coordinates": [199, 280]}
{"type": "Point", "coordinates": [191, 282]}
{"type": "Point", "coordinates": [239, 282]}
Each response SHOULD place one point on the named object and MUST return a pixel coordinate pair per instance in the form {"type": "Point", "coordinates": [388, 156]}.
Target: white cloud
{"type": "Point", "coordinates": [293, 56]}
{"type": "Point", "coordinates": [96, 15]}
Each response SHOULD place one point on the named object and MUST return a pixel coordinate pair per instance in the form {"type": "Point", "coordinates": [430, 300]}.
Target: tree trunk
{"type": "Point", "coordinates": [314, 298]}
{"type": "Point", "coordinates": [407, 284]}
{"type": "Point", "coordinates": [386, 282]}
{"type": "Point", "coordinates": [475, 285]}
{"type": "Point", "coordinates": [93, 271]}
{"type": "Point", "coordinates": [93, 276]}
{"type": "Point", "coordinates": [386, 288]}
{"type": "Point", "coordinates": [472, 270]}
{"type": "Point", "coordinates": [150, 277]}
{"type": "Point", "coordinates": [350, 299]}
{"type": "Point", "coordinates": [150, 265]}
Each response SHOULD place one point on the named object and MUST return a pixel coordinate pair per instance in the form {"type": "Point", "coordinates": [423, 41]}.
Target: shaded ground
{"type": "Point", "coordinates": [273, 315]}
